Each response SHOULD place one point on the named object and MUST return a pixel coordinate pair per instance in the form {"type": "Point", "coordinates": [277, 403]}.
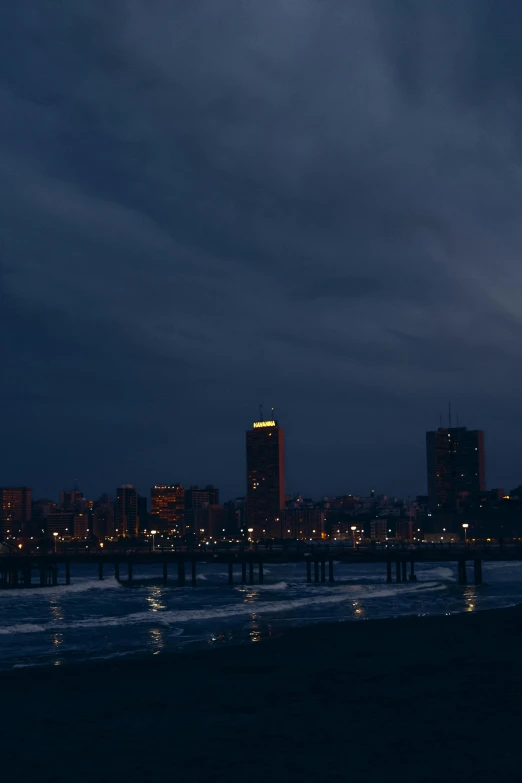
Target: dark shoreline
{"type": "Point", "coordinates": [356, 700]}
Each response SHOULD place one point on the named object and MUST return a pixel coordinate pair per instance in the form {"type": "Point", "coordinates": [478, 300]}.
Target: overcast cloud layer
{"type": "Point", "coordinates": [208, 205]}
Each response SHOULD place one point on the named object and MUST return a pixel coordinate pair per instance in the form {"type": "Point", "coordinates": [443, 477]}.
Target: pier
{"type": "Point", "coordinates": [243, 565]}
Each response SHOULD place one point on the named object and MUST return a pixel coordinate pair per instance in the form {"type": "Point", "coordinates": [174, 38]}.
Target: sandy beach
{"type": "Point", "coordinates": [426, 699]}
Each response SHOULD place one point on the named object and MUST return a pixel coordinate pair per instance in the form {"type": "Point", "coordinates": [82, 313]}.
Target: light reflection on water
{"type": "Point", "coordinates": [56, 609]}
{"type": "Point", "coordinates": [157, 639]}
{"type": "Point", "coordinates": [255, 633]}
{"type": "Point", "coordinates": [358, 610]}
{"type": "Point", "coordinates": [154, 599]}
{"type": "Point", "coordinates": [470, 595]}
{"type": "Point", "coordinates": [94, 619]}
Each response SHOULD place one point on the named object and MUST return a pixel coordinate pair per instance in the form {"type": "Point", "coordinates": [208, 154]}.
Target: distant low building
{"type": "Point", "coordinates": [211, 521]}
{"type": "Point", "coordinates": [302, 523]}
{"type": "Point", "coordinates": [379, 529]}
{"type": "Point", "coordinates": [81, 525]}
{"type": "Point", "coordinates": [60, 523]}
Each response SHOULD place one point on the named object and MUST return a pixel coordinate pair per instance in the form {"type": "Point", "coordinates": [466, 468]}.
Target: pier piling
{"type": "Point", "coordinates": [308, 571]}
{"type": "Point", "coordinates": [477, 570]}
{"type": "Point", "coordinates": [194, 581]}
{"type": "Point", "coordinates": [316, 571]}
{"type": "Point", "coordinates": [243, 572]}
{"type": "Point", "coordinates": [261, 574]}
{"type": "Point", "coordinates": [181, 573]}
{"type": "Point", "coordinates": [251, 572]}
{"type": "Point", "coordinates": [230, 573]}
{"type": "Point", "coordinates": [100, 570]}
{"type": "Point", "coordinates": [116, 571]}
{"type": "Point", "coordinates": [129, 566]}
{"type": "Point", "coordinates": [389, 571]}
{"type": "Point", "coordinates": [330, 570]}
{"type": "Point", "coordinates": [413, 577]}
{"type": "Point", "coordinates": [67, 572]}
{"type": "Point", "coordinates": [323, 571]}
{"type": "Point", "coordinates": [404, 570]}
{"type": "Point", "coordinates": [397, 570]}
{"type": "Point", "coordinates": [463, 577]}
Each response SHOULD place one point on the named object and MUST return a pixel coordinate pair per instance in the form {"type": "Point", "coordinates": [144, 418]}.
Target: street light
{"type": "Point", "coordinates": [153, 532]}
{"type": "Point", "coordinates": [55, 534]}
{"type": "Point", "coordinates": [465, 526]}
{"type": "Point", "coordinates": [353, 529]}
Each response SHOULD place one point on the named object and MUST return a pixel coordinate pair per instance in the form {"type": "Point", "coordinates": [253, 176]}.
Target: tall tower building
{"type": "Point", "coordinates": [126, 519]}
{"type": "Point", "coordinates": [456, 465]}
{"type": "Point", "coordinates": [15, 510]}
{"type": "Point", "coordinates": [167, 506]}
{"type": "Point", "coordinates": [265, 453]}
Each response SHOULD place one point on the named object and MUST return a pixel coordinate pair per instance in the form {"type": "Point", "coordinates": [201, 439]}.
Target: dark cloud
{"type": "Point", "coordinates": [206, 205]}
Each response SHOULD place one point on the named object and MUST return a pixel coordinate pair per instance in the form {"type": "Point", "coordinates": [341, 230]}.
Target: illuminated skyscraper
{"type": "Point", "coordinates": [265, 453]}
{"type": "Point", "coordinates": [456, 465]}
{"type": "Point", "coordinates": [167, 507]}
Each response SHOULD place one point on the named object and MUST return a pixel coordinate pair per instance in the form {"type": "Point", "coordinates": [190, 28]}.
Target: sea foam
{"type": "Point", "coordinates": [174, 617]}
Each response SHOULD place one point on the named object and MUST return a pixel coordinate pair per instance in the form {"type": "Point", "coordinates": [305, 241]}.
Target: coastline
{"type": "Point", "coordinates": [358, 700]}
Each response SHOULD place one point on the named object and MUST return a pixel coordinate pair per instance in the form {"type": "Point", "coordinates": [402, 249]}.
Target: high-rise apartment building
{"type": "Point", "coordinates": [456, 465]}
{"type": "Point", "coordinates": [167, 507]}
{"type": "Point", "coordinates": [196, 498]}
{"type": "Point", "coordinates": [72, 500]}
{"type": "Point", "coordinates": [265, 454]}
{"type": "Point", "coordinates": [15, 510]}
{"type": "Point", "coordinates": [126, 519]}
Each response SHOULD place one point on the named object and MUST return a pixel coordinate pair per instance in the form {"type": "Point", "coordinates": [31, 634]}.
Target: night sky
{"type": "Point", "coordinates": [205, 206]}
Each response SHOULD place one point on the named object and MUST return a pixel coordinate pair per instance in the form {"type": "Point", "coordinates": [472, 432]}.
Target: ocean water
{"type": "Point", "coordinates": [92, 619]}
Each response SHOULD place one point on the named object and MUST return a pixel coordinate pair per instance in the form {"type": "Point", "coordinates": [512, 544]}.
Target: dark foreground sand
{"type": "Point", "coordinates": [391, 700]}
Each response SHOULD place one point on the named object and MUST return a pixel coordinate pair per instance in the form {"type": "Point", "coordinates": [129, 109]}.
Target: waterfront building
{"type": "Point", "coordinates": [456, 466]}
{"type": "Point", "coordinates": [265, 456]}
{"type": "Point", "coordinates": [167, 507]}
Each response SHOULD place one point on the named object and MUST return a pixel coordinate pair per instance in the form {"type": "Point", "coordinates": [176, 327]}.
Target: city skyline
{"type": "Point", "coordinates": [392, 463]}
{"type": "Point", "coordinates": [473, 438]}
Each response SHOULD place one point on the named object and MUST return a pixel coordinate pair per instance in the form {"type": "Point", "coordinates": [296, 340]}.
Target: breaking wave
{"type": "Point", "coordinates": [172, 617]}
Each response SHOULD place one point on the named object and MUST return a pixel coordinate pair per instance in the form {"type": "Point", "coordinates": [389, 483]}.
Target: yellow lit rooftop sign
{"type": "Point", "coordinates": [258, 424]}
